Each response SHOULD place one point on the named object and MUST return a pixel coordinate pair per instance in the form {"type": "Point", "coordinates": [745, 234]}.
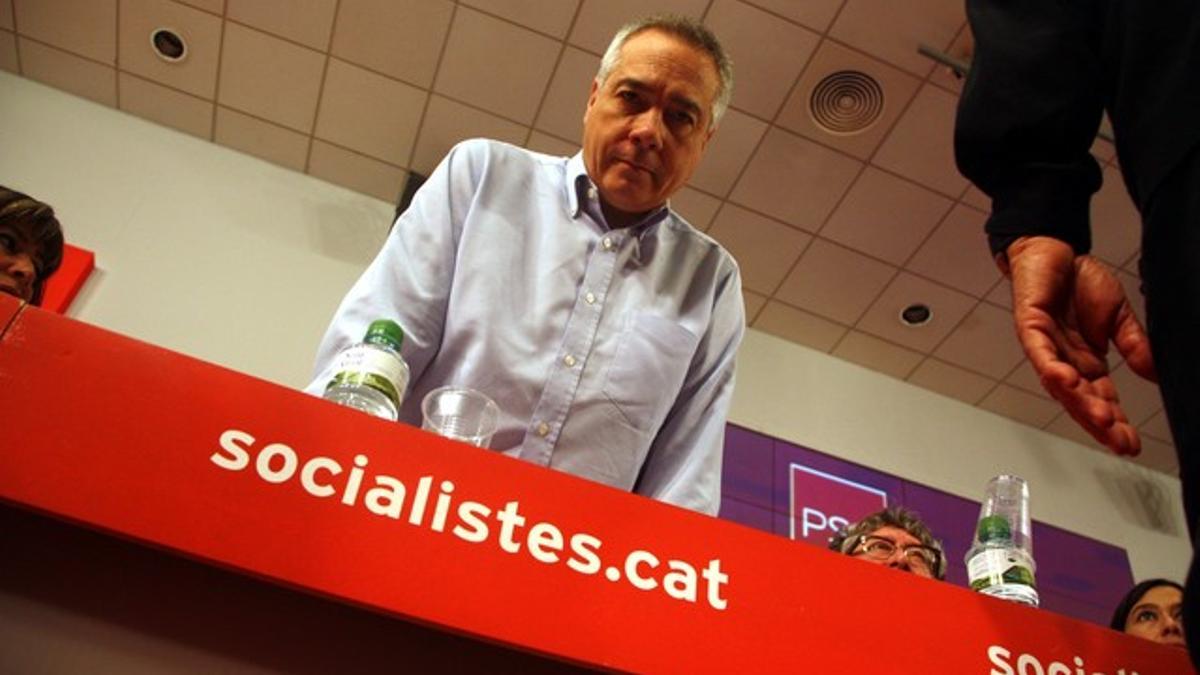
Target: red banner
{"type": "Point", "coordinates": [215, 465]}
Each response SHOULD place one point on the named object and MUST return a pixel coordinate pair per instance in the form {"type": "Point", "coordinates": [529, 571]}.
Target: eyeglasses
{"type": "Point", "coordinates": [918, 556]}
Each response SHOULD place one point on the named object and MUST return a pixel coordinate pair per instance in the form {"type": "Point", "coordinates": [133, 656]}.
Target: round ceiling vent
{"type": "Point", "coordinates": [846, 102]}
{"type": "Point", "coordinates": [168, 45]}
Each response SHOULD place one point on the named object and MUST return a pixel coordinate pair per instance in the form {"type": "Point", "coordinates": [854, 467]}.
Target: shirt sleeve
{"type": "Point", "coordinates": [683, 466]}
{"type": "Point", "coordinates": [410, 279]}
{"type": "Point", "coordinates": [1029, 111]}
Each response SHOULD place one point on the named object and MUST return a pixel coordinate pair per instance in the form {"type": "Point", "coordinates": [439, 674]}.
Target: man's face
{"type": "Point", "coordinates": [1158, 616]}
{"type": "Point", "coordinates": [647, 125]}
{"type": "Point", "coordinates": [895, 547]}
{"type": "Point", "coordinates": [18, 262]}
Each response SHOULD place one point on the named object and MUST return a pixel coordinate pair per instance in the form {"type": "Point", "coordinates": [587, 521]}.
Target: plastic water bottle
{"type": "Point", "coordinates": [371, 376]}
{"type": "Point", "coordinates": [1000, 562]}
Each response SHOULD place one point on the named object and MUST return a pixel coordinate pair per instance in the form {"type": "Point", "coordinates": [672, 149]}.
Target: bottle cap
{"type": "Point", "coordinates": [386, 332]}
{"type": "Point", "coordinates": [994, 528]}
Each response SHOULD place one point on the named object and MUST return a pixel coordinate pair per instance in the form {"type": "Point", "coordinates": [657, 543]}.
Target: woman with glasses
{"type": "Point", "coordinates": [894, 537]}
{"type": "Point", "coordinates": [1152, 610]}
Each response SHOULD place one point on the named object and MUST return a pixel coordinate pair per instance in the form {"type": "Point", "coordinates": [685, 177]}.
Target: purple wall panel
{"type": "Point", "coordinates": [746, 471]}
{"type": "Point", "coordinates": [951, 519]}
{"type": "Point", "coordinates": [746, 514]}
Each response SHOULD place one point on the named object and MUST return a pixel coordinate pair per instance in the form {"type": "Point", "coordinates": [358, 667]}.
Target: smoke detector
{"type": "Point", "coordinates": [846, 102]}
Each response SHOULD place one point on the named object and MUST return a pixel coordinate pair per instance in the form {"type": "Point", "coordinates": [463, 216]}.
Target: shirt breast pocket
{"type": "Point", "coordinates": [648, 369]}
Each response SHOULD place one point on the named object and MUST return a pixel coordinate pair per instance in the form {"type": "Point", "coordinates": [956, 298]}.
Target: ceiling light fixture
{"type": "Point", "coordinates": [168, 44]}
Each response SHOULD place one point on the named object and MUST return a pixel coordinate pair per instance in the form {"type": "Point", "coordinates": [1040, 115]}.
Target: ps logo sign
{"type": "Point", "coordinates": [822, 504]}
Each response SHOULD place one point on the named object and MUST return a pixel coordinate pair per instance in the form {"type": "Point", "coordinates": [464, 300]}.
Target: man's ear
{"type": "Point", "coordinates": [593, 94]}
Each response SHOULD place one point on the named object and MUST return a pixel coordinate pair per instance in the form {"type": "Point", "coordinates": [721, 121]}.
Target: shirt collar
{"type": "Point", "coordinates": [584, 193]}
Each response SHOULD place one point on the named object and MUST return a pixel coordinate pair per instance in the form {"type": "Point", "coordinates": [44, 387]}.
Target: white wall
{"type": "Point", "coordinates": [222, 256]}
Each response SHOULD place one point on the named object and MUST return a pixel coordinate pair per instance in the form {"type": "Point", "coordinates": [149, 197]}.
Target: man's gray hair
{"type": "Point", "coordinates": [690, 31]}
{"type": "Point", "coordinates": [847, 540]}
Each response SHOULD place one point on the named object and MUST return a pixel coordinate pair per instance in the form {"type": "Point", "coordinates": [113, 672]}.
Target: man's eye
{"type": "Point", "coordinates": [8, 243]}
{"type": "Point", "coordinates": [683, 119]}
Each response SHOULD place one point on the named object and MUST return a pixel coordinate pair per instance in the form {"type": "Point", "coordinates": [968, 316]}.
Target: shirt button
{"type": "Point", "coordinates": [592, 194]}
{"type": "Point", "coordinates": [590, 298]}
{"type": "Point", "coordinates": [569, 360]}
{"type": "Point", "coordinates": [543, 429]}
{"type": "Point", "coordinates": [607, 243]}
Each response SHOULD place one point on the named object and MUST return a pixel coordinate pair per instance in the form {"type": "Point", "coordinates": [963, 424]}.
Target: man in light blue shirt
{"type": "Point", "coordinates": [566, 289]}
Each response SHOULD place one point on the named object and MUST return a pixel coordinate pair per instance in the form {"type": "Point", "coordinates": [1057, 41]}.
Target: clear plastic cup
{"type": "Point", "coordinates": [461, 413]}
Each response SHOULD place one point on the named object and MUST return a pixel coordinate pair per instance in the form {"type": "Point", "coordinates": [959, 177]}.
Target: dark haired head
{"type": "Point", "coordinates": [1131, 599]}
{"type": "Point", "coordinates": [38, 222]}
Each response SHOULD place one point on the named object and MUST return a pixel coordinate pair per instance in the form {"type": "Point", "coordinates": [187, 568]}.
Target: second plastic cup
{"type": "Point", "coordinates": [461, 413]}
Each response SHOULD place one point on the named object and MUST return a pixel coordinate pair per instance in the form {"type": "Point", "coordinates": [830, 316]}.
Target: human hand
{"type": "Point", "coordinates": [1067, 309]}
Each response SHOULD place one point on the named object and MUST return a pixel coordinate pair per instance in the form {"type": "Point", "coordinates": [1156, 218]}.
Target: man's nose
{"type": "Point", "coordinates": [647, 130]}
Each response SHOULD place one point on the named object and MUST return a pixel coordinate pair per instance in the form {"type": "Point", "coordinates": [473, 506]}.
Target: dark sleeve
{"type": "Point", "coordinates": [1028, 115]}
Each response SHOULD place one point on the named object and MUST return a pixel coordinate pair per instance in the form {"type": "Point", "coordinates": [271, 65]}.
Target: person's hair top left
{"type": "Point", "coordinates": [37, 220]}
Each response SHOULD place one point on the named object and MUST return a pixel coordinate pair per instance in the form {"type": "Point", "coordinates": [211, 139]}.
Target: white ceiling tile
{"type": "Point", "coordinates": [883, 317]}
{"type": "Point", "coordinates": [951, 381]}
{"type": "Point", "coordinates": [598, 20]}
{"type": "Point", "coordinates": [816, 14]}
{"type": "Point", "coordinates": [545, 16]}
{"type": "Point", "coordinates": [495, 65]}
{"type": "Point", "coordinates": [550, 145]}
{"type": "Point", "coordinates": [798, 326]}
{"type": "Point", "coordinates": [1116, 226]}
{"type": "Point", "coordinates": [1001, 294]}
{"type": "Point", "coordinates": [754, 304]}
{"type": "Point", "coordinates": [212, 6]}
{"type": "Point", "coordinates": [846, 98]}
{"type": "Point", "coordinates": [921, 146]}
{"type": "Point", "coordinates": [447, 123]}
{"type": "Point", "coordinates": [1159, 456]}
{"type": "Point", "coordinates": [566, 100]}
{"type": "Point", "coordinates": [1069, 429]}
{"type": "Point", "coordinates": [975, 197]}
{"type": "Point", "coordinates": [885, 216]}
{"type": "Point", "coordinates": [763, 77]}
{"type": "Point", "coordinates": [1139, 398]}
{"type": "Point", "coordinates": [369, 113]}
{"type": "Point", "coordinates": [84, 27]}
{"type": "Point", "coordinates": [1020, 406]}
{"type": "Point", "coordinates": [728, 152]}
{"type": "Point", "coordinates": [795, 180]}
{"type": "Point", "coordinates": [695, 206]}
{"type": "Point", "coordinates": [892, 30]}
{"type": "Point", "coordinates": [66, 71]}
{"type": "Point", "coordinates": [879, 355]}
{"type": "Point", "coordinates": [835, 282]}
{"type": "Point", "coordinates": [1024, 377]}
{"type": "Point", "coordinates": [261, 139]}
{"type": "Point", "coordinates": [201, 32]}
{"type": "Point", "coordinates": [765, 249]}
{"type": "Point", "coordinates": [1103, 150]}
{"type": "Point", "coordinates": [957, 254]}
{"type": "Point", "coordinates": [399, 38]}
{"type": "Point", "coordinates": [270, 78]}
{"type": "Point", "coordinates": [309, 23]}
{"type": "Point", "coordinates": [355, 171]}
{"type": "Point", "coordinates": [8, 52]}
{"type": "Point", "coordinates": [983, 342]}
{"type": "Point", "coordinates": [1157, 427]}
{"type": "Point", "coordinates": [166, 106]}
